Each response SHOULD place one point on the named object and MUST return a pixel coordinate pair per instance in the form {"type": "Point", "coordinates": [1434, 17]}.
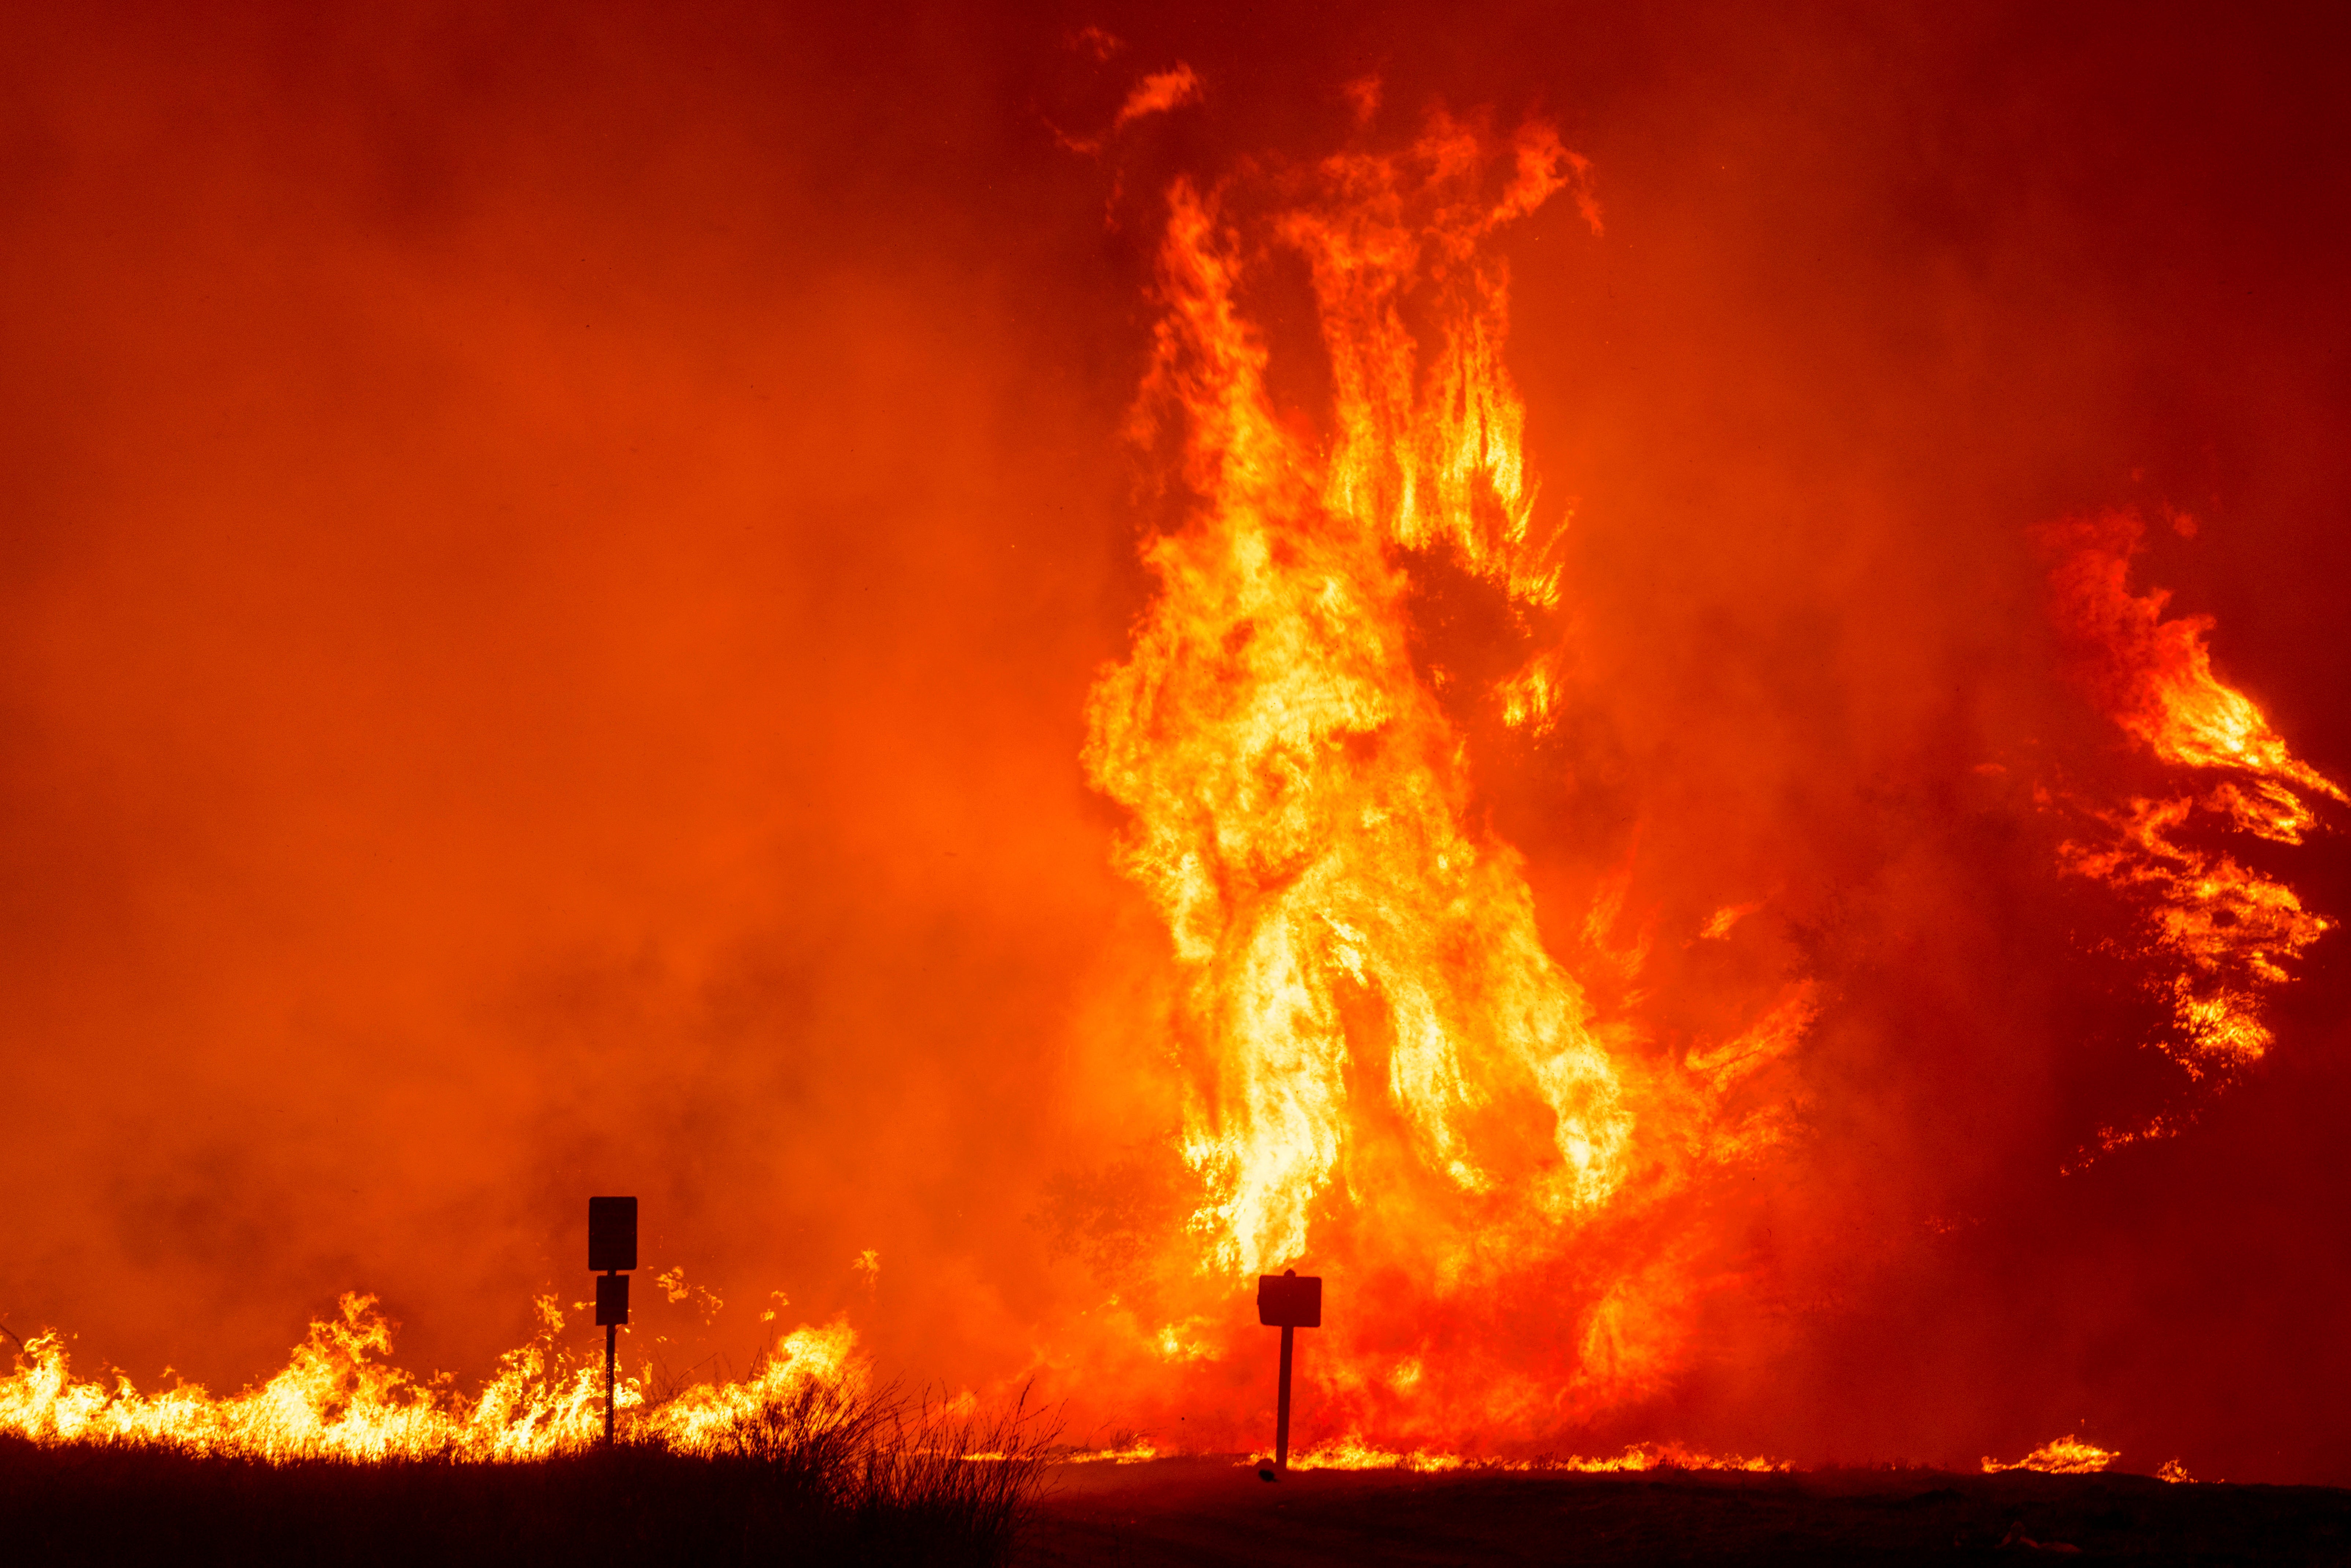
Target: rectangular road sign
{"type": "Point", "coordinates": [1289, 1301]}
{"type": "Point", "coordinates": [612, 1299]}
{"type": "Point", "coordinates": [611, 1234]}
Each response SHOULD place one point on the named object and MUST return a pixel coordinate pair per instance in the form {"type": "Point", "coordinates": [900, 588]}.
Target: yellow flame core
{"type": "Point", "coordinates": [335, 1399]}
{"type": "Point", "coordinates": [1355, 955]}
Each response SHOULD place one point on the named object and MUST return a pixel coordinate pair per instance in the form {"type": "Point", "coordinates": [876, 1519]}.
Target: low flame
{"type": "Point", "coordinates": [1352, 1453]}
{"type": "Point", "coordinates": [2065, 1456]}
{"type": "Point", "coordinates": [1135, 1452]}
{"type": "Point", "coordinates": [335, 1398]}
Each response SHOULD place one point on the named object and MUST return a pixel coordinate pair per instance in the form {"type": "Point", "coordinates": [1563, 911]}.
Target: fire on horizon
{"type": "Point", "coordinates": [1674, 714]}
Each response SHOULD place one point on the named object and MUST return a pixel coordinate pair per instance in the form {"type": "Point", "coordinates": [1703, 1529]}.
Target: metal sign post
{"type": "Point", "coordinates": [1292, 1303]}
{"type": "Point", "coordinates": [612, 1249]}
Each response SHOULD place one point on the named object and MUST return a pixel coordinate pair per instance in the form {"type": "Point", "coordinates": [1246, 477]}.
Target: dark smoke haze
{"type": "Point", "coordinates": [554, 559]}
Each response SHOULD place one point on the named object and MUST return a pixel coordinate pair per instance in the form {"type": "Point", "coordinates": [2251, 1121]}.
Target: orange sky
{"type": "Point", "coordinates": [553, 564]}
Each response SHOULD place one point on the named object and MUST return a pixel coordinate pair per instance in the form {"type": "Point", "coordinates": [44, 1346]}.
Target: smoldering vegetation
{"type": "Point", "coordinates": [821, 1473]}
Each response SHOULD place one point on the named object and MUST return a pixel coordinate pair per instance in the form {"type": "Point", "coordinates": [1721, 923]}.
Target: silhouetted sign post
{"type": "Point", "coordinates": [613, 1249]}
{"type": "Point", "coordinates": [1292, 1303]}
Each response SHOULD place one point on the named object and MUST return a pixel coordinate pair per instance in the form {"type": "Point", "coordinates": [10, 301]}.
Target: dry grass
{"type": "Point", "coordinates": [824, 1473]}
{"type": "Point", "coordinates": [888, 1462]}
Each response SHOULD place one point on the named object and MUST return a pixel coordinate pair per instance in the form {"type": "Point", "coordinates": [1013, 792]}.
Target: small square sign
{"type": "Point", "coordinates": [612, 1299]}
{"type": "Point", "coordinates": [1289, 1301]}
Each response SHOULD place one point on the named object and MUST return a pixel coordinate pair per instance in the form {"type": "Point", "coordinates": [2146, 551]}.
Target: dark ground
{"type": "Point", "coordinates": [86, 1504]}
{"type": "Point", "coordinates": [1210, 1512]}
{"type": "Point", "coordinates": [642, 1508]}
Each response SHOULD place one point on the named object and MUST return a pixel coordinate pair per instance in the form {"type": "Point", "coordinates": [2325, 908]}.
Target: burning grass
{"type": "Point", "coordinates": [806, 1470]}
{"type": "Point", "coordinates": [1352, 1453]}
{"type": "Point", "coordinates": [2065, 1456]}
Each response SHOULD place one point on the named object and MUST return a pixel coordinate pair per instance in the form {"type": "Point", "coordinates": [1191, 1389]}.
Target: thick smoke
{"type": "Point", "coordinates": [555, 565]}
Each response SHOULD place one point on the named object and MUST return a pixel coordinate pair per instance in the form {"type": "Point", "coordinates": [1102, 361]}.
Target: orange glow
{"type": "Point", "coordinates": [1157, 94]}
{"type": "Point", "coordinates": [1020, 662]}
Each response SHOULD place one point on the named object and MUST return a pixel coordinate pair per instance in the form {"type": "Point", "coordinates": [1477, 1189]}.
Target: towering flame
{"type": "Point", "coordinates": [1384, 1065]}
{"type": "Point", "coordinates": [1369, 999]}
